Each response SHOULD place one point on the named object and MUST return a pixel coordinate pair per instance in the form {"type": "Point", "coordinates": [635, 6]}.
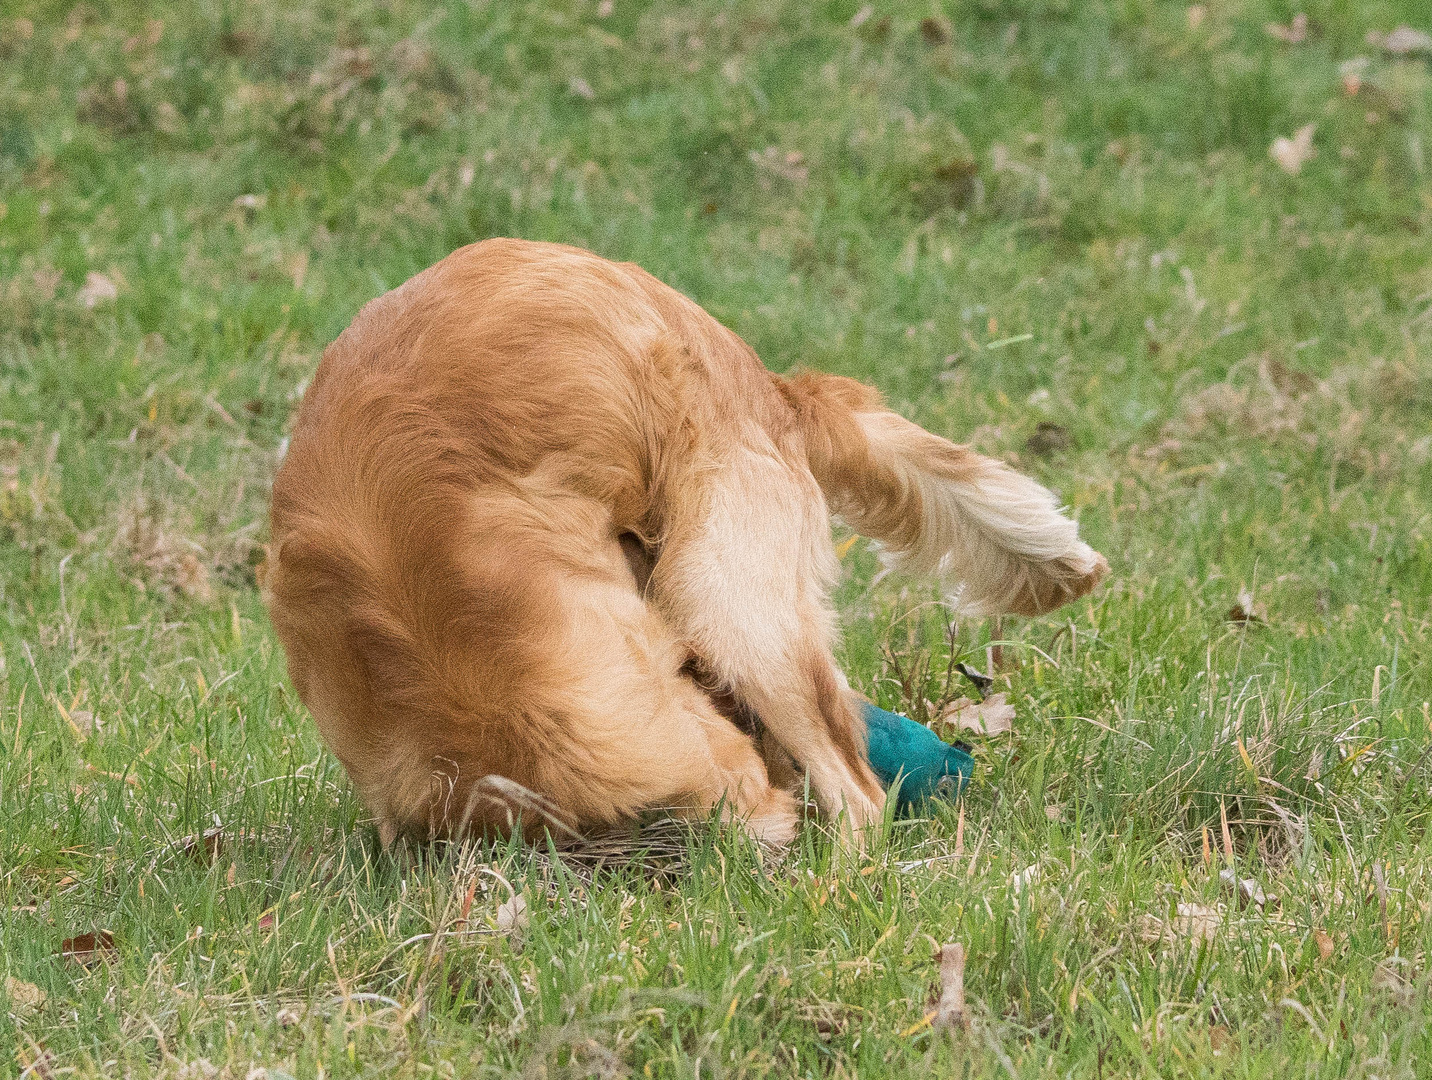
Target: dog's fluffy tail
{"type": "Point", "coordinates": [937, 508]}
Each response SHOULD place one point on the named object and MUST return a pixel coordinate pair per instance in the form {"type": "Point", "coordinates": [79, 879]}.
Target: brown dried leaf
{"type": "Point", "coordinates": [1048, 438]}
{"type": "Point", "coordinates": [993, 716]}
{"type": "Point", "coordinates": [89, 949]}
{"type": "Point", "coordinates": [1024, 879]}
{"type": "Point", "coordinates": [1292, 34]}
{"type": "Point", "coordinates": [25, 998]}
{"type": "Point", "coordinates": [202, 847]}
{"type": "Point", "coordinates": [512, 915]}
{"type": "Point", "coordinates": [1192, 921]}
{"type": "Point", "coordinates": [128, 777]}
{"type": "Point", "coordinates": [1292, 154]}
{"type": "Point", "coordinates": [97, 289]}
{"type": "Point", "coordinates": [1325, 943]}
{"type": "Point", "coordinates": [950, 1012]}
{"type": "Point", "coordinates": [982, 681]}
{"type": "Point", "coordinates": [935, 30]}
{"type": "Point", "coordinates": [1245, 611]}
{"type": "Point", "coordinates": [1404, 41]}
{"type": "Point", "coordinates": [1245, 890]}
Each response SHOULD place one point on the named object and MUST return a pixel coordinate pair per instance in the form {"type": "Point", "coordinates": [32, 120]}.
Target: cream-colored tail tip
{"type": "Point", "coordinates": [1049, 584]}
{"type": "Point", "coordinates": [1083, 569]}
{"type": "Point", "coordinates": [1090, 564]}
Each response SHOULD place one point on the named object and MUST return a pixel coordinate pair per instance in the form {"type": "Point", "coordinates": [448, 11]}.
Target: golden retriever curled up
{"type": "Point", "coordinates": [480, 456]}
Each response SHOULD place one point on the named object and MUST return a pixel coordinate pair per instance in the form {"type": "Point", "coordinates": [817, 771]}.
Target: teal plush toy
{"type": "Point", "coordinates": [927, 766]}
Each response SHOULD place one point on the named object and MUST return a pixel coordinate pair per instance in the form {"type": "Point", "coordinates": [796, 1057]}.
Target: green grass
{"type": "Point", "coordinates": [1046, 212]}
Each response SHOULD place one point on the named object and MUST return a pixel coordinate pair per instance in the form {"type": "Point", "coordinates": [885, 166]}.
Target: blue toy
{"type": "Point", "coordinates": [927, 766]}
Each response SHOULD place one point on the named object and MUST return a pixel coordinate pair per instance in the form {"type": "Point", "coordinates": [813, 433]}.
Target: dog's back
{"type": "Point", "coordinates": [448, 581]}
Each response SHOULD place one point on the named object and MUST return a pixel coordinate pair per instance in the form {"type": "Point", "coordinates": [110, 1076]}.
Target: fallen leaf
{"type": "Point", "coordinates": [97, 289]}
{"type": "Point", "coordinates": [201, 847]}
{"type": "Point", "coordinates": [1191, 921]}
{"type": "Point", "coordinates": [1197, 920]}
{"type": "Point", "coordinates": [1292, 34]}
{"type": "Point", "coordinates": [1292, 154]}
{"type": "Point", "coordinates": [89, 949]}
{"type": "Point", "coordinates": [1325, 943]}
{"type": "Point", "coordinates": [581, 88]}
{"type": "Point", "coordinates": [1022, 879]}
{"type": "Point", "coordinates": [1048, 438]}
{"type": "Point", "coordinates": [993, 716]}
{"type": "Point", "coordinates": [1286, 380]}
{"type": "Point", "coordinates": [25, 998]}
{"type": "Point", "coordinates": [265, 923]}
{"type": "Point", "coordinates": [950, 1012]}
{"type": "Point", "coordinates": [982, 681]}
{"type": "Point", "coordinates": [1245, 611]}
{"type": "Point", "coordinates": [1220, 1038]}
{"type": "Point", "coordinates": [935, 30]}
{"type": "Point", "coordinates": [1404, 41]}
{"type": "Point", "coordinates": [1245, 890]}
{"type": "Point", "coordinates": [238, 42]}
{"type": "Point", "coordinates": [512, 914]}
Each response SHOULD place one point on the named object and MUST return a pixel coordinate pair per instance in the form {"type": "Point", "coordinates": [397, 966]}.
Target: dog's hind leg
{"type": "Point", "coordinates": [629, 730]}
{"type": "Point", "coordinates": [590, 708]}
{"type": "Point", "coordinates": [745, 566]}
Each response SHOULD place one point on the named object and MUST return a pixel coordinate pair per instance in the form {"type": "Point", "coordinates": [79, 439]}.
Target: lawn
{"type": "Point", "coordinates": [1051, 228]}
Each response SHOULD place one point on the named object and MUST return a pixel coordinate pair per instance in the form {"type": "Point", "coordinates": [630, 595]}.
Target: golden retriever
{"type": "Point", "coordinates": [545, 526]}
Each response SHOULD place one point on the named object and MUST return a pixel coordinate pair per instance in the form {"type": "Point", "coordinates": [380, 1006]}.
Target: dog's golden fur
{"type": "Point", "coordinates": [489, 459]}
